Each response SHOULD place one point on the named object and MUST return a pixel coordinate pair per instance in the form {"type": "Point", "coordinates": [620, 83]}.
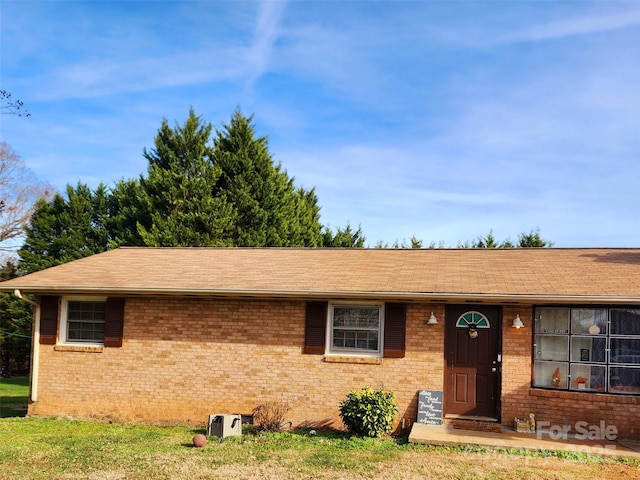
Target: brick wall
{"type": "Point", "coordinates": [516, 364]}
{"type": "Point", "coordinates": [183, 359]}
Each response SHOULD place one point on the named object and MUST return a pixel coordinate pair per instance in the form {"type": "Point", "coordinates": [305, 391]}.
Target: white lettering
{"type": "Point", "coordinates": [594, 433]}
{"type": "Point", "coordinates": [555, 432]}
{"type": "Point", "coordinates": [583, 432]}
{"type": "Point", "coordinates": [611, 432]}
{"type": "Point", "coordinates": [542, 424]}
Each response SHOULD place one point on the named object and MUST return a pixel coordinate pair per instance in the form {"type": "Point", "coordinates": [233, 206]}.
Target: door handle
{"type": "Point", "coordinates": [494, 369]}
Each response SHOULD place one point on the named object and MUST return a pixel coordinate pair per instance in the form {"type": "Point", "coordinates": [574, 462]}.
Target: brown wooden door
{"type": "Point", "coordinates": [472, 365]}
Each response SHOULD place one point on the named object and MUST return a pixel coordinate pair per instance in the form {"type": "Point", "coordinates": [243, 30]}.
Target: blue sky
{"type": "Point", "coordinates": [442, 120]}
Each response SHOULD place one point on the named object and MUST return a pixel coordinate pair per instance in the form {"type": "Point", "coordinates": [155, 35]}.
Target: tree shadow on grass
{"type": "Point", "coordinates": [14, 397]}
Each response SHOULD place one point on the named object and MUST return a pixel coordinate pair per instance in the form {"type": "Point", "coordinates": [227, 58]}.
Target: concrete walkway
{"type": "Point", "coordinates": [447, 435]}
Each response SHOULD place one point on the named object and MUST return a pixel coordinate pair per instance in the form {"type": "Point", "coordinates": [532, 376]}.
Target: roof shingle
{"type": "Point", "coordinates": [500, 274]}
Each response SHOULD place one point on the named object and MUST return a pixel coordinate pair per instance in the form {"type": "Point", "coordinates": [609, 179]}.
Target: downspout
{"type": "Point", "coordinates": [35, 345]}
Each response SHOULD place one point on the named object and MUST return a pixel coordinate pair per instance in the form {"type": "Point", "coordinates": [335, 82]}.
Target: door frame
{"type": "Point", "coordinates": [455, 310]}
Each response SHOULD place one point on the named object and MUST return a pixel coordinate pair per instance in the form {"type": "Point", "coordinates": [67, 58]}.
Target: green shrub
{"type": "Point", "coordinates": [368, 413]}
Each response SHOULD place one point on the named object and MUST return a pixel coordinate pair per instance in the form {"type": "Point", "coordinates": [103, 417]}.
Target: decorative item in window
{"type": "Point", "coordinates": [556, 381]}
{"type": "Point", "coordinates": [584, 354]}
{"type": "Point", "coordinates": [594, 329]}
{"type": "Point", "coordinates": [581, 383]}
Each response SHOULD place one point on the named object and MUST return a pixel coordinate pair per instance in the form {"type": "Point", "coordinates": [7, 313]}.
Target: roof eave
{"type": "Point", "coordinates": [431, 297]}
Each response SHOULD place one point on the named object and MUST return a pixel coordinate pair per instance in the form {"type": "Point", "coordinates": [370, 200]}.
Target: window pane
{"type": "Point", "coordinates": [349, 339]}
{"type": "Point", "coordinates": [355, 339]}
{"type": "Point", "coordinates": [552, 320]}
{"type": "Point", "coordinates": [356, 317]}
{"type": "Point", "coordinates": [552, 347]}
{"type": "Point", "coordinates": [625, 350]}
{"type": "Point", "coordinates": [588, 349]}
{"type": "Point", "coordinates": [589, 320]}
{"type": "Point", "coordinates": [625, 322]}
{"type": "Point", "coordinates": [587, 377]}
{"type": "Point", "coordinates": [86, 331]}
{"type": "Point", "coordinates": [551, 374]}
{"type": "Point", "coordinates": [85, 321]}
{"type": "Point", "coordinates": [356, 328]}
{"type": "Point", "coordinates": [624, 380]}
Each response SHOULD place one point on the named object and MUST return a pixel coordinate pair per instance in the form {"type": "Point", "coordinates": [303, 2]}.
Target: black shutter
{"type": "Point", "coordinates": [114, 322]}
{"type": "Point", "coordinates": [394, 330]}
{"type": "Point", "coordinates": [315, 331]}
{"type": "Point", "coordinates": [49, 310]}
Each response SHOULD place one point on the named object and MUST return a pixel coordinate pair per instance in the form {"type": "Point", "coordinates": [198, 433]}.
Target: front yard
{"type": "Point", "coordinates": [48, 448]}
{"type": "Point", "coordinates": [54, 448]}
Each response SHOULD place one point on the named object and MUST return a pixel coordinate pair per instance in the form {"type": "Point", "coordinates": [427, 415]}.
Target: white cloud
{"type": "Point", "coordinates": [583, 24]}
{"type": "Point", "coordinates": [100, 78]}
{"type": "Point", "coordinates": [266, 33]}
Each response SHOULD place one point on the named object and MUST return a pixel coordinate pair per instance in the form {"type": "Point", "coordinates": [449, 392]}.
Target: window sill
{"type": "Point", "coordinates": [350, 359]}
{"type": "Point", "coordinates": [78, 348]}
{"type": "Point", "coordinates": [595, 395]}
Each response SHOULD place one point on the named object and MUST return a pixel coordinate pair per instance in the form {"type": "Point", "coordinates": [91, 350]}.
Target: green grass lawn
{"type": "Point", "coordinates": [48, 448]}
{"type": "Point", "coordinates": [14, 393]}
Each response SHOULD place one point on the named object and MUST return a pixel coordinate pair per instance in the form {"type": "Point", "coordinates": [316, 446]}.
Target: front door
{"type": "Point", "coordinates": [472, 361]}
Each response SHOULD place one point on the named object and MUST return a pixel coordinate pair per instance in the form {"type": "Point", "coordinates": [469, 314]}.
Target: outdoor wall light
{"type": "Point", "coordinates": [517, 322]}
{"type": "Point", "coordinates": [432, 320]}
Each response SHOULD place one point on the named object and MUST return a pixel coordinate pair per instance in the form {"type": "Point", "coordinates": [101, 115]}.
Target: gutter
{"type": "Point", "coordinates": [35, 346]}
{"type": "Point", "coordinates": [428, 297]}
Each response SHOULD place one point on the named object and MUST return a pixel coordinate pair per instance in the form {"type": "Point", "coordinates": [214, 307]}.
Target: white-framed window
{"type": "Point", "coordinates": [355, 328]}
{"type": "Point", "coordinates": [82, 320]}
{"type": "Point", "coordinates": [588, 349]}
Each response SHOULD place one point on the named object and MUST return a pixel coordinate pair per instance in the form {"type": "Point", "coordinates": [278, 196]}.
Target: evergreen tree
{"type": "Point", "coordinates": [533, 239]}
{"type": "Point", "coordinates": [343, 238]}
{"type": "Point", "coordinates": [15, 327]}
{"type": "Point", "coordinates": [268, 209]}
{"type": "Point", "coordinates": [180, 203]}
{"type": "Point", "coordinates": [126, 214]}
{"type": "Point", "coordinates": [490, 242]}
{"type": "Point", "coordinates": [66, 229]}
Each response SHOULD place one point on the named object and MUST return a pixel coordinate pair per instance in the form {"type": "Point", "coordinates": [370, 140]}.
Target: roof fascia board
{"type": "Point", "coordinates": [329, 294]}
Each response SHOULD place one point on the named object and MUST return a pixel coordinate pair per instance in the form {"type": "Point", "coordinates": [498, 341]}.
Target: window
{"type": "Point", "coordinates": [371, 329]}
{"type": "Point", "coordinates": [83, 320]}
{"type": "Point", "coordinates": [355, 329]}
{"type": "Point", "coordinates": [475, 319]}
{"type": "Point", "coordinates": [591, 349]}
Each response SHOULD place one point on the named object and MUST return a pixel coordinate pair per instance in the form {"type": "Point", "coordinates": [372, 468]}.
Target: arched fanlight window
{"type": "Point", "coordinates": [473, 318]}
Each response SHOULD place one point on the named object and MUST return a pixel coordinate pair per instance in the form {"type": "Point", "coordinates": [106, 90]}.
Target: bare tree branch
{"type": "Point", "coordinates": [19, 191]}
{"type": "Point", "coordinates": [8, 106]}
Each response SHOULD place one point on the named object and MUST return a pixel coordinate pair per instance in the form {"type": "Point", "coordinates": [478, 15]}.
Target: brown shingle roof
{"type": "Point", "coordinates": [432, 274]}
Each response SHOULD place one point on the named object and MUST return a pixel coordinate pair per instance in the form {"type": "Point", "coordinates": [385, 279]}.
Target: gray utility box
{"type": "Point", "coordinates": [221, 425]}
